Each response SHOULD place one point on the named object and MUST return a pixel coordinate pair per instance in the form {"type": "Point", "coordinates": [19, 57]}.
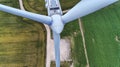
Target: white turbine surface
{"type": "Point", "coordinates": [56, 38]}
{"type": "Point", "coordinates": [26, 14]}
{"type": "Point", "coordinates": [56, 21]}
{"type": "Point", "coordinates": [84, 8]}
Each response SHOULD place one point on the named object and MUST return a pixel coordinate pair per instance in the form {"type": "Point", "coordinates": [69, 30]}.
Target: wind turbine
{"type": "Point", "coordinates": [56, 20]}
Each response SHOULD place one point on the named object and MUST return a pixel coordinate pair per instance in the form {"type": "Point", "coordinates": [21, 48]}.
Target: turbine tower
{"type": "Point", "coordinates": [56, 20]}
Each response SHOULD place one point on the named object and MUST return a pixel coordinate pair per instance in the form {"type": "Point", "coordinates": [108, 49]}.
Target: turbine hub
{"type": "Point", "coordinates": [57, 24]}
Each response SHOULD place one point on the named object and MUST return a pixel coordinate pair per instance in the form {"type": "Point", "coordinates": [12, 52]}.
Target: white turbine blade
{"type": "Point", "coordinates": [33, 16]}
{"type": "Point", "coordinates": [56, 37]}
{"type": "Point", "coordinates": [84, 8]}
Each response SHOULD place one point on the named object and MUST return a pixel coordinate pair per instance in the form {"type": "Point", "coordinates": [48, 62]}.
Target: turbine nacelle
{"type": "Point", "coordinates": [57, 23]}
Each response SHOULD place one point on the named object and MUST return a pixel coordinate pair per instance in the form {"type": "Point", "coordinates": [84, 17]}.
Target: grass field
{"type": "Point", "coordinates": [22, 43]}
{"type": "Point", "coordinates": [102, 35]}
{"type": "Point", "coordinates": [62, 64]}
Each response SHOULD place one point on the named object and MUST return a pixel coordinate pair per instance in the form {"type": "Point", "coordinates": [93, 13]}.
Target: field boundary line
{"type": "Point", "coordinates": [84, 43]}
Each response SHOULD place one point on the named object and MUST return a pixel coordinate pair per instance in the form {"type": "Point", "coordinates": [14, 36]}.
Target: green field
{"type": "Point", "coordinates": [62, 64]}
{"type": "Point", "coordinates": [102, 35]}
{"type": "Point", "coordinates": [22, 43]}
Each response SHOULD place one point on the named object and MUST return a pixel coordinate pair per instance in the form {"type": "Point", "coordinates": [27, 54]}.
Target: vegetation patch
{"type": "Point", "coordinates": [101, 29]}
{"type": "Point", "coordinates": [78, 53]}
{"type": "Point", "coordinates": [22, 42]}
{"type": "Point", "coordinates": [62, 64]}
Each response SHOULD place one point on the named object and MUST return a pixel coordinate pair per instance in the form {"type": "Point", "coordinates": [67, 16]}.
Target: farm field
{"type": "Point", "coordinates": [102, 36]}
{"type": "Point", "coordinates": [22, 42]}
